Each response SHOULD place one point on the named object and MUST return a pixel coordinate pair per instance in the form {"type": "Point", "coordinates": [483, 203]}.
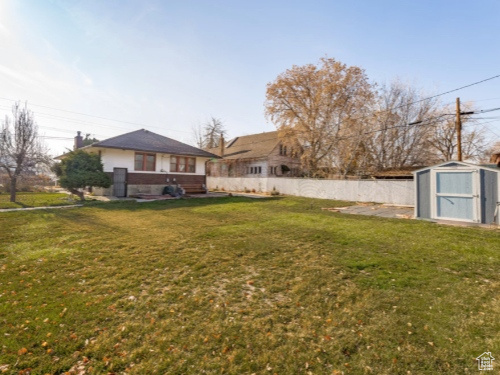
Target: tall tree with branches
{"type": "Point", "coordinates": [321, 107]}
{"type": "Point", "coordinates": [401, 126]}
{"type": "Point", "coordinates": [209, 134]}
{"type": "Point", "coordinates": [21, 150]}
{"type": "Point", "coordinates": [444, 137]}
{"type": "Point", "coordinates": [213, 131]}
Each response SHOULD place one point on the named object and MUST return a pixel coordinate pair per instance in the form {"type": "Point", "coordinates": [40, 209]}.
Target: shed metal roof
{"type": "Point", "coordinates": [491, 167]}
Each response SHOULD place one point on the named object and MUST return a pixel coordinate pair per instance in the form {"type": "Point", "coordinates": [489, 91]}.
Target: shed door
{"type": "Point", "coordinates": [120, 182]}
{"type": "Point", "coordinates": [456, 195]}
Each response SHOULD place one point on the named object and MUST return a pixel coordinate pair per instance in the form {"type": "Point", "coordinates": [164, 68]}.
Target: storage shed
{"type": "Point", "coordinates": [458, 191]}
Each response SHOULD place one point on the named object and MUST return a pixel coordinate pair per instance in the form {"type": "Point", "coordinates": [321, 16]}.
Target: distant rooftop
{"type": "Point", "coordinates": [251, 146]}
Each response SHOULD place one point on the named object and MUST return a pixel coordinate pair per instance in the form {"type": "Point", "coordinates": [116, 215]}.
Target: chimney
{"type": "Point", "coordinates": [78, 141]}
{"type": "Point", "coordinates": [221, 144]}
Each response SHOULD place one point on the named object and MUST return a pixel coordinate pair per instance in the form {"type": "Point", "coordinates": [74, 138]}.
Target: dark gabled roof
{"type": "Point", "coordinates": [252, 146]}
{"type": "Point", "coordinates": [144, 140]}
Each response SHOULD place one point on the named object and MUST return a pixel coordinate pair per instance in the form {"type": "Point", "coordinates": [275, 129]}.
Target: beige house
{"type": "Point", "coordinates": [255, 155]}
{"type": "Point", "coordinates": [143, 162]}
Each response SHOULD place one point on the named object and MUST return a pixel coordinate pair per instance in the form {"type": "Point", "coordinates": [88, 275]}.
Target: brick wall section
{"type": "Point", "coordinates": [161, 179]}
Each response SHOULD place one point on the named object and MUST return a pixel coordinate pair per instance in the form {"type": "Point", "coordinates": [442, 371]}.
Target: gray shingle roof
{"type": "Point", "coordinates": [144, 140]}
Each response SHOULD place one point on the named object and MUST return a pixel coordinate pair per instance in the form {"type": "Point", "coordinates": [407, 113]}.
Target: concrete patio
{"type": "Point", "coordinates": [380, 210]}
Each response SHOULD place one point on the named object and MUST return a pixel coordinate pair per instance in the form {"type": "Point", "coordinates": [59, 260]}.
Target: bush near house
{"type": "Point", "coordinates": [241, 286]}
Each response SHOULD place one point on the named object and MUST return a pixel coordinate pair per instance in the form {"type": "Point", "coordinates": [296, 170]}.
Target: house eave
{"type": "Point", "coordinates": [210, 156]}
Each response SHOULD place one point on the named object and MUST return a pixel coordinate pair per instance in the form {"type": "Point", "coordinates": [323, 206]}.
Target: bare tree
{"type": "Point", "coordinates": [20, 148]}
{"type": "Point", "coordinates": [213, 131]}
{"type": "Point", "coordinates": [400, 127]}
{"type": "Point", "coordinates": [198, 138]}
{"type": "Point", "coordinates": [317, 106]}
{"type": "Point", "coordinates": [444, 138]}
{"type": "Point", "coordinates": [209, 134]}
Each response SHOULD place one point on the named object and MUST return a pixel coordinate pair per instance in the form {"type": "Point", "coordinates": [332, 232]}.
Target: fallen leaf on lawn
{"type": "Point", "coordinates": [430, 343]}
{"type": "Point", "coordinates": [44, 344]}
{"type": "Point", "coordinates": [63, 312]}
{"type": "Point", "coordinates": [22, 351]}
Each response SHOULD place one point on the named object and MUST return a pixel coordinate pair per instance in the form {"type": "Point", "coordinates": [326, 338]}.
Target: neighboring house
{"type": "Point", "coordinates": [495, 157]}
{"type": "Point", "coordinates": [255, 155]}
{"type": "Point", "coordinates": [143, 162]}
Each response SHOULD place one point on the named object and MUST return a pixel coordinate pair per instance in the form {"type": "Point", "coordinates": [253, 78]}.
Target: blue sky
{"type": "Point", "coordinates": [170, 65]}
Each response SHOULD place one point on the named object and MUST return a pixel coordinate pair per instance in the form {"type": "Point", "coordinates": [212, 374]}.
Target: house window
{"type": "Point", "coordinates": [145, 162]}
{"type": "Point", "coordinates": [282, 150]}
{"type": "Point", "coordinates": [182, 164]}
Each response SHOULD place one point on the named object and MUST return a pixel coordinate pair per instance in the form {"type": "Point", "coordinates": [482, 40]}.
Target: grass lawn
{"type": "Point", "coordinates": [243, 286]}
{"type": "Point", "coordinates": [35, 200]}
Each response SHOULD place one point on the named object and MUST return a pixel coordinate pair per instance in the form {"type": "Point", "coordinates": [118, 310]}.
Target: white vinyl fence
{"type": "Point", "coordinates": [383, 191]}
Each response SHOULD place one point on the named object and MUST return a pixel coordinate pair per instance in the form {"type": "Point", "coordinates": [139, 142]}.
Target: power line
{"type": "Point", "coordinates": [460, 88]}
{"type": "Point", "coordinates": [93, 123]}
{"type": "Point", "coordinates": [487, 110]}
{"type": "Point", "coordinates": [139, 124]}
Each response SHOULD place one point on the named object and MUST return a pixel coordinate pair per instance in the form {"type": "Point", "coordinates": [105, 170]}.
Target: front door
{"type": "Point", "coordinates": [456, 195]}
{"type": "Point", "coordinates": [120, 182]}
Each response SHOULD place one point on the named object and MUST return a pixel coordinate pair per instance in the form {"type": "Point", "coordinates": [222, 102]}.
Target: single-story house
{"type": "Point", "coordinates": [143, 162]}
{"type": "Point", "coordinates": [254, 155]}
{"type": "Point", "coordinates": [458, 191]}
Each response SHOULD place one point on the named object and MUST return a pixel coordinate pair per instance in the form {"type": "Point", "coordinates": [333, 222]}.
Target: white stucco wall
{"type": "Point", "coordinates": [115, 158]}
{"type": "Point", "coordinates": [382, 191]}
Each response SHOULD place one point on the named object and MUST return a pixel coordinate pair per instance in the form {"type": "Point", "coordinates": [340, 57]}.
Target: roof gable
{"type": "Point", "coordinates": [455, 163]}
{"type": "Point", "coordinates": [251, 146]}
{"type": "Point", "coordinates": [145, 140]}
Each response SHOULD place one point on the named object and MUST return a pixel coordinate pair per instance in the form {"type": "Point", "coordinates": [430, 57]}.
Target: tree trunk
{"type": "Point", "coordinates": [13, 183]}
{"type": "Point", "coordinates": [79, 193]}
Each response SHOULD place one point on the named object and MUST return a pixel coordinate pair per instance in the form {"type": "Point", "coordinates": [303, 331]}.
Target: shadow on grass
{"type": "Point", "coordinates": [172, 204]}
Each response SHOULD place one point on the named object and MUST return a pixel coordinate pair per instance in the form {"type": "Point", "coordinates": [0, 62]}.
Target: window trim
{"type": "Point", "coordinates": [186, 159]}
{"type": "Point", "coordinates": [144, 161]}
{"type": "Point", "coordinates": [283, 150]}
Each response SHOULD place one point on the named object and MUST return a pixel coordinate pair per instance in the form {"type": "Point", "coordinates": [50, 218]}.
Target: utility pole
{"type": "Point", "coordinates": [458, 124]}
